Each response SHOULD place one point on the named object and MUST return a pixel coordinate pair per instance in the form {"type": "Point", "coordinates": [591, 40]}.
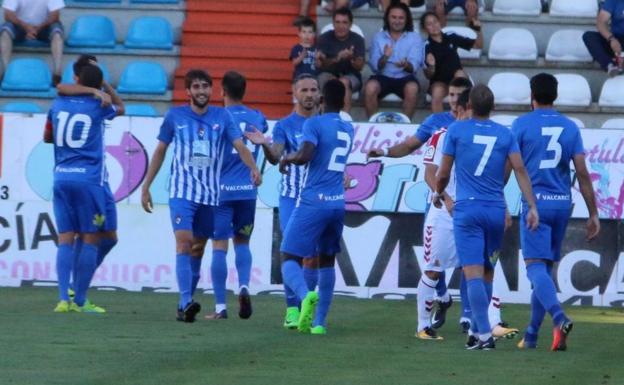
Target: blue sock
{"type": "Point", "coordinates": [537, 316]}
{"type": "Point", "coordinates": [106, 245]}
{"type": "Point", "coordinates": [64, 262]}
{"type": "Point", "coordinates": [311, 276]}
{"type": "Point", "coordinates": [243, 264]}
{"type": "Point", "coordinates": [84, 271]}
{"type": "Point", "coordinates": [545, 291]}
{"type": "Point", "coordinates": [184, 276]}
{"type": "Point", "coordinates": [76, 255]}
{"type": "Point", "coordinates": [479, 303]}
{"type": "Point", "coordinates": [463, 294]}
{"type": "Point", "coordinates": [218, 271]}
{"type": "Point", "coordinates": [291, 298]}
{"type": "Point", "coordinates": [441, 286]}
{"type": "Point", "coordinates": [327, 280]}
{"type": "Point", "coordinates": [292, 275]}
{"type": "Point", "coordinates": [195, 273]}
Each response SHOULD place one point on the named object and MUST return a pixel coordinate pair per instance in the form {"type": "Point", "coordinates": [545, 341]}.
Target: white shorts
{"type": "Point", "coordinates": [439, 248]}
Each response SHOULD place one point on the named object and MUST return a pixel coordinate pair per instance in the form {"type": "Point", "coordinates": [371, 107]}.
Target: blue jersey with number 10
{"type": "Point", "coordinates": [548, 142]}
{"type": "Point", "coordinates": [78, 132]}
{"type": "Point", "coordinates": [323, 184]}
{"type": "Point", "coordinates": [480, 149]}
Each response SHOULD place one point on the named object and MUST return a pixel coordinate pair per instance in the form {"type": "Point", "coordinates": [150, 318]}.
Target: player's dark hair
{"type": "Point", "coordinates": [91, 76]}
{"type": "Point", "coordinates": [409, 21]}
{"type": "Point", "coordinates": [482, 100]}
{"type": "Point", "coordinates": [461, 82]}
{"type": "Point", "coordinates": [234, 85]}
{"type": "Point", "coordinates": [544, 88]}
{"type": "Point", "coordinates": [82, 61]}
{"type": "Point", "coordinates": [196, 74]}
{"type": "Point", "coordinates": [463, 99]}
{"type": "Point", "coordinates": [424, 16]}
{"type": "Point", "coordinates": [333, 95]}
{"type": "Point", "coordinates": [307, 22]}
{"type": "Point", "coordinates": [345, 12]}
{"type": "Point", "coordinates": [303, 76]}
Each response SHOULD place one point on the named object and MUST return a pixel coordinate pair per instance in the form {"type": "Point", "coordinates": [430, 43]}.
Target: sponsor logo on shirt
{"type": "Point", "coordinates": [553, 197]}
{"type": "Point", "coordinates": [330, 198]}
{"type": "Point", "coordinates": [247, 187]}
{"type": "Point", "coordinates": [79, 170]}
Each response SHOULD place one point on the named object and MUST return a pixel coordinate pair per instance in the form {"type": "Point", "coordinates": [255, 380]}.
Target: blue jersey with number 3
{"type": "Point", "coordinates": [480, 149]}
{"type": "Point", "coordinates": [323, 184]}
{"type": "Point", "coordinates": [78, 132]}
{"type": "Point", "coordinates": [548, 142]}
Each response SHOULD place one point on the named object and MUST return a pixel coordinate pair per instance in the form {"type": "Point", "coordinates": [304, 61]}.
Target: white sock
{"type": "Point", "coordinates": [446, 297]}
{"type": "Point", "coordinates": [424, 298]}
{"type": "Point", "coordinates": [494, 313]}
{"type": "Point", "coordinates": [220, 307]}
{"type": "Point", "coordinates": [484, 336]}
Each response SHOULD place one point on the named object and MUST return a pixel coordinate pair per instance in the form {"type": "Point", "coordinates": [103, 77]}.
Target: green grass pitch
{"type": "Point", "coordinates": [369, 342]}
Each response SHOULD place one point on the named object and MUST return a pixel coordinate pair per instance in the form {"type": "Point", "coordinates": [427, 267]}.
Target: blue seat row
{"type": "Point", "coordinates": [34, 108]}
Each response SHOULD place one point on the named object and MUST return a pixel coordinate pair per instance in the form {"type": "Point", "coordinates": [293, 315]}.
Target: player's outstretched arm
{"type": "Point", "coordinates": [400, 150]}
{"type": "Point", "coordinates": [247, 158]}
{"type": "Point", "coordinates": [532, 218]}
{"type": "Point", "coordinates": [587, 190]}
{"type": "Point", "coordinates": [156, 162]}
{"type": "Point", "coordinates": [272, 152]}
{"type": "Point", "coordinates": [115, 98]}
{"type": "Point", "coordinates": [303, 156]}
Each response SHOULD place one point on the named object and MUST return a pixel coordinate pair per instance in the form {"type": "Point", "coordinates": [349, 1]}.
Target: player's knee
{"type": "Point", "coordinates": [327, 261]}
{"type": "Point", "coordinates": [220, 244]}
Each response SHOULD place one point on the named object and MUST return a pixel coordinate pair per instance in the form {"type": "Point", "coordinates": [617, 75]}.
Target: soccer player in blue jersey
{"type": "Point", "coordinates": [316, 224]}
{"type": "Point", "coordinates": [480, 148]}
{"type": "Point", "coordinates": [199, 134]}
{"type": "Point", "coordinates": [77, 131]}
{"type": "Point", "coordinates": [234, 217]}
{"type": "Point", "coordinates": [108, 235]}
{"type": "Point", "coordinates": [548, 142]}
{"type": "Point", "coordinates": [287, 135]}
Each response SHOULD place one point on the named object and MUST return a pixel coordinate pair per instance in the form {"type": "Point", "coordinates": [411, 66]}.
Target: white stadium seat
{"type": "Point", "coordinates": [578, 121]}
{"type": "Point", "coordinates": [612, 94]}
{"type": "Point", "coordinates": [567, 45]}
{"type": "Point", "coordinates": [614, 123]}
{"type": "Point", "coordinates": [575, 8]}
{"type": "Point", "coordinates": [389, 117]}
{"type": "Point", "coordinates": [505, 120]}
{"type": "Point", "coordinates": [517, 7]}
{"type": "Point", "coordinates": [391, 98]}
{"type": "Point", "coordinates": [513, 44]}
{"type": "Point", "coordinates": [474, 53]}
{"type": "Point", "coordinates": [354, 28]}
{"type": "Point", "coordinates": [510, 88]}
{"type": "Point", "coordinates": [573, 90]}
{"type": "Point", "coordinates": [460, 10]}
{"type": "Point", "coordinates": [345, 116]}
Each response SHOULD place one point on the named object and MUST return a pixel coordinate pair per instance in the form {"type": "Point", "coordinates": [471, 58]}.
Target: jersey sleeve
{"type": "Point", "coordinates": [230, 130]}
{"type": "Point", "coordinates": [450, 144]}
{"type": "Point", "coordinates": [264, 125]}
{"type": "Point", "coordinates": [425, 130]}
{"type": "Point", "coordinates": [166, 129]}
{"type": "Point", "coordinates": [310, 132]}
{"type": "Point", "coordinates": [461, 41]}
{"type": "Point", "coordinates": [579, 148]}
{"type": "Point", "coordinates": [109, 112]}
{"type": "Point", "coordinates": [513, 144]}
{"type": "Point", "coordinates": [279, 136]}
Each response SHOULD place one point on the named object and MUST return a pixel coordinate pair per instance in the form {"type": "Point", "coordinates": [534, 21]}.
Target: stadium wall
{"type": "Point", "coordinates": [382, 241]}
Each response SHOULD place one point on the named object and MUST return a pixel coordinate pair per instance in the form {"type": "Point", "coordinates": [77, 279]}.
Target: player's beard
{"type": "Point", "coordinates": [199, 104]}
{"type": "Point", "coordinates": [308, 104]}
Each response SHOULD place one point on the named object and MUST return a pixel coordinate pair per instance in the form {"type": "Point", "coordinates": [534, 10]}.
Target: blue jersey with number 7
{"type": "Point", "coordinates": [78, 135]}
{"type": "Point", "coordinates": [323, 183]}
{"type": "Point", "coordinates": [480, 149]}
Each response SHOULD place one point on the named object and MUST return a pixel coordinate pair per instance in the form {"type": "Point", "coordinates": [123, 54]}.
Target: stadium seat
{"type": "Point", "coordinates": [150, 32]}
{"type": "Point", "coordinates": [345, 116]}
{"type": "Point", "coordinates": [141, 110]}
{"type": "Point", "coordinates": [154, 1]}
{"type": "Point", "coordinates": [68, 72]}
{"type": "Point", "coordinates": [517, 7]}
{"type": "Point", "coordinates": [25, 107]}
{"type": "Point", "coordinates": [614, 123]}
{"type": "Point", "coordinates": [567, 45]}
{"type": "Point", "coordinates": [92, 31]}
{"type": "Point", "coordinates": [513, 44]}
{"type": "Point", "coordinates": [576, 8]}
{"type": "Point", "coordinates": [573, 90]}
{"type": "Point", "coordinates": [612, 94]}
{"type": "Point", "coordinates": [143, 78]}
{"type": "Point", "coordinates": [27, 74]}
{"type": "Point", "coordinates": [354, 28]}
{"type": "Point", "coordinates": [505, 120]}
{"type": "Point", "coordinates": [578, 121]}
{"type": "Point", "coordinates": [510, 88]}
{"type": "Point", "coordinates": [389, 117]}
{"type": "Point", "coordinates": [474, 53]}
{"type": "Point", "coordinates": [391, 98]}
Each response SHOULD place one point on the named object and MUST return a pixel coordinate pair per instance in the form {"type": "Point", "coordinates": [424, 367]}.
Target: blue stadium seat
{"type": "Point", "coordinates": [141, 110]}
{"type": "Point", "coordinates": [27, 75]}
{"type": "Point", "coordinates": [154, 1]}
{"type": "Point", "coordinates": [25, 107]}
{"type": "Point", "coordinates": [97, 1]}
{"type": "Point", "coordinates": [149, 32]}
{"type": "Point", "coordinates": [143, 78]}
{"type": "Point", "coordinates": [92, 31]}
{"type": "Point", "coordinates": [68, 73]}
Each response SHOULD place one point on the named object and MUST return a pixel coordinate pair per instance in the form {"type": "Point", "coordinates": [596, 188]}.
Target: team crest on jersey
{"type": "Point", "coordinates": [99, 219]}
{"type": "Point", "coordinates": [178, 219]}
{"type": "Point", "coordinates": [201, 132]}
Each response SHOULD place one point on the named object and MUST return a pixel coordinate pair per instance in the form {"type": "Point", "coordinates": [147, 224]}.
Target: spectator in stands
{"type": "Point", "coordinates": [304, 11]}
{"type": "Point", "coordinates": [340, 54]}
{"type": "Point", "coordinates": [33, 20]}
{"type": "Point", "coordinates": [443, 7]}
{"type": "Point", "coordinates": [384, 4]}
{"type": "Point", "coordinates": [395, 56]}
{"type": "Point", "coordinates": [605, 45]}
{"type": "Point", "coordinates": [441, 58]}
{"type": "Point", "coordinates": [303, 54]}
{"type": "Point", "coordinates": [333, 5]}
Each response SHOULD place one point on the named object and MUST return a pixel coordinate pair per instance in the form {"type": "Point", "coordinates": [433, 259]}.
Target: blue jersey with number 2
{"type": "Point", "coordinates": [323, 186]}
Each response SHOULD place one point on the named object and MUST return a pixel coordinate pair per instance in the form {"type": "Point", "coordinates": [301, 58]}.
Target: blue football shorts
{"type": "Point", "coordinates": [479, 228]}
{"type": "Point", "coordinates": [234, 218]}
{"type": "Point", "coordinates": [312, 231]}
{"type": "Point", "coordinates": [286, 207]}
{"type": "Point", "coordinates": [79, 207]}
{"type": "Point", "coordinates": [192, 216]}
{"type": "Point", "coordinates": [545, 242]}
{"type": "Point", "coordinates": [111, 209]}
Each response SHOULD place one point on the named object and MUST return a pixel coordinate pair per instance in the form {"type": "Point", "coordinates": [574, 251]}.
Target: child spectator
{"type": "Point", "coordinates": [303, 54]}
